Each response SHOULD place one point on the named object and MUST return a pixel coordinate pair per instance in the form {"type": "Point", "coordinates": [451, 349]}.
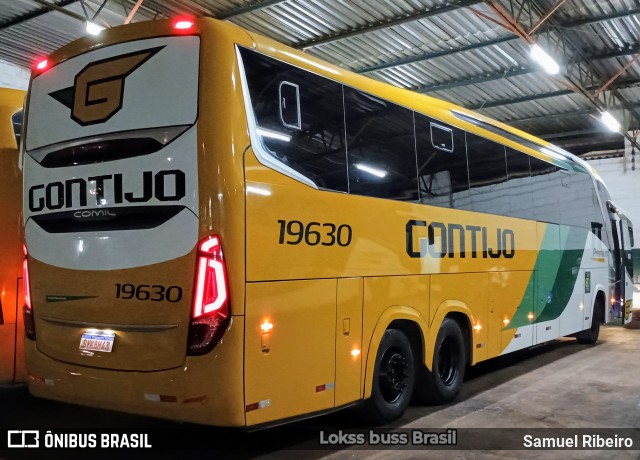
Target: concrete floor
{"type": "Point", "coordinates": [579, 387]}
{"type": "Point", "coordinates": [558, 385]}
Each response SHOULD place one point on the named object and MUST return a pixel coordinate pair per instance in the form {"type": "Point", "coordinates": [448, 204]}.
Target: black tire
{"type": "Point", "coordinates": [442, 384]}
{"type": "Point", "coordinates": [590, 336]}
{"type": "Point", "coordinates": [393, 379]}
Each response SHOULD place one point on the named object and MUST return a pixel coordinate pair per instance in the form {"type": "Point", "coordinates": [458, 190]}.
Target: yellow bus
{"type": "Point", "coordinates": [12, 367]}
{"type": "Point", "coordinates": [224, 230]}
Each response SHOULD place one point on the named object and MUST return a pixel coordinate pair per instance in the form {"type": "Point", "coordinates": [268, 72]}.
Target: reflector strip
{"type": "Point", "coordinates": [160, 398]}
{"type": "Point", "coordinates": [259, 405]}
{"type": "Point", "coordinates": [36, 380]}
{"type": "Point", "coordinates": [195, 399]}
{"type": "Point", "coordinates": [325, 386]}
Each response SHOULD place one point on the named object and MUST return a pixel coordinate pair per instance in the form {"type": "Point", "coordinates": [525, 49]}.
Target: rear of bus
{"type": "Point", "coordinates": [134, 208]}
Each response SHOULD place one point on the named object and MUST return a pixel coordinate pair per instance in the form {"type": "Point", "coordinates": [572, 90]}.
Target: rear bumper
{"type": "Point", "coordinates": [205, 389]}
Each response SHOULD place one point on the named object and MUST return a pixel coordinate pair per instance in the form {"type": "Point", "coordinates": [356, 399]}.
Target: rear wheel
{"type": "Point", "coordinates": [590, 336]}
{"type": "Point", "coordinates": [393, 379]}
{"type": "Point", "coordinates": [442, 383]}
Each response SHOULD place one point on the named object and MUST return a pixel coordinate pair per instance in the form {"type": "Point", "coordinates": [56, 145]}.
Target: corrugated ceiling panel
{"type": "Point", "coordinates": [300, 21]}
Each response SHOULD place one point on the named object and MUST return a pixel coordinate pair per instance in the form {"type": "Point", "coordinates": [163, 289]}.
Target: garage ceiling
{"type": "Point", "coordinates": [469, 52]}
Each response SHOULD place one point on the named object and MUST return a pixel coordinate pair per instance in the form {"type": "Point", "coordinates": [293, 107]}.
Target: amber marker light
{"type": "Point", "coordinates": [355, 352]}
{"type": "Point", "coordinates": [505, 321]}
{"type": "Point", "coordinates": [530, 316]}
{"type": "Point", "coordinates": [266, 326]}
{"type": "Point", "coordinates": [478, 327]}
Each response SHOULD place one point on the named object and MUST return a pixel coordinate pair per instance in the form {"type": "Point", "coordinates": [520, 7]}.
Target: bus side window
{"type": "Point", "coordinates": [290, 105]}
{"type": "Point", "coordinates": [519, 184]}
{"type": "Point", "coordinates": [381, 148]}
{"type": "Point", "coordinates": [442, 164]}
{"type": "Point", "coordinates": [299, 119]}
{"type": "Point", "coordinates": [16, 120]}
{"type": "Point", "coordinates": [487, 175]}
{"type": "Point", "coordinates": [578, 192]}
{"type": "Point", "coordinates": [547, 191]}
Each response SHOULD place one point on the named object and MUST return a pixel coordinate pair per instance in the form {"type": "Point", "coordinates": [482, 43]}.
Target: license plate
{"type": "Point", "coordinates": [97, 340]}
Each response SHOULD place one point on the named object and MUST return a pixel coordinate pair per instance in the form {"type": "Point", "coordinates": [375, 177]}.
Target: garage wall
{"type": "Point", "coordinates": [12, 76]}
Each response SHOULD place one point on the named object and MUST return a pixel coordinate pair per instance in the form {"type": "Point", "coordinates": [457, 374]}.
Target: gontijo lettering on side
{"type": "Point", "coordinates": [442, 240]}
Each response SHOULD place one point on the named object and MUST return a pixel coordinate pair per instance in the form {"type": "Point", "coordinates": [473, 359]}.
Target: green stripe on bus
{"type": "Point", "coordinates": [566, 275]}
{"type": "Point", "coordinates": [556, 271]}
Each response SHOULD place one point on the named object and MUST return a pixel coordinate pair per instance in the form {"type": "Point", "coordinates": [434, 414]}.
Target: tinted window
{"type": "Point", "coordinates": [16, 120]}
{"type": "Point", "coordinates": [579, 206]}
{"type": "Point", "coordinates": [300, 119]}
{"type": "Point", "coordinates": [381, 147]}
{"type": "Point", "coordinates": [519, 184]}
{"type": "Point", "coordinates": [547, 190]}
{"type": "Point", "coordinates": [442, 173]}
{"type": "Point", "coordinates": [487, 175]}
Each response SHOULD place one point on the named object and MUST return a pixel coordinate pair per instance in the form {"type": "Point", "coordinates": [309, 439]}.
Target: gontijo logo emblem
{"type": "Point", "coordinates": [98, 89]}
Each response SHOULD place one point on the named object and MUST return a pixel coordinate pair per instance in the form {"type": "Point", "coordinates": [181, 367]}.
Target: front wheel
{"type": "Point", "coordinates": [442, 383]}
{"type": "Point", "coordinates": [393, 379]}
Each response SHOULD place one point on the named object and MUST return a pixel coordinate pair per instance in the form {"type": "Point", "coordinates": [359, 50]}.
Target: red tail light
{"type": "Point", "coordinates": [183, 25]}
{"type": "Point", "coordinates": [210, 315]}
{"type": "Point", "coordinates": [40, 66]}
{"type": "Point", "coordinates": [27, 309]}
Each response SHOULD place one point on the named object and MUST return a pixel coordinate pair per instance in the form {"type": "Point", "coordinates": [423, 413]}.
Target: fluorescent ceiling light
{"type": "Point", "coordinates": [273, 135]}
{"type": "Point", "coordinates": [370, 170]}
{"type": "Point", "coordinates": [93, 28]}
{"type": "Point", "coordinates": [610, 122]}
{"type": "Point", "coordinates": [541, 57]}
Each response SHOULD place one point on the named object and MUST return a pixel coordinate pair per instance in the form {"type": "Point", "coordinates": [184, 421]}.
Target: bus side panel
{"type": "Point", "coordinates": [572, 278]}
{"type": "Point", "coordinates": [547, 266]}
{"type": "Point", "coordinates": [11, 336]}
{"type": "Point", "coordinates": [468, 290]}
{"type": "Point", "coordinates": [7, 348]}
{"type": "Point", "coordinates": [510, 292]}
{"type": "Point", "coordinates": [349, 341]}
{"type": "Point", "coordinates": [289, 348]}
{"type": "Point", "coordinates": [20, 372]}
